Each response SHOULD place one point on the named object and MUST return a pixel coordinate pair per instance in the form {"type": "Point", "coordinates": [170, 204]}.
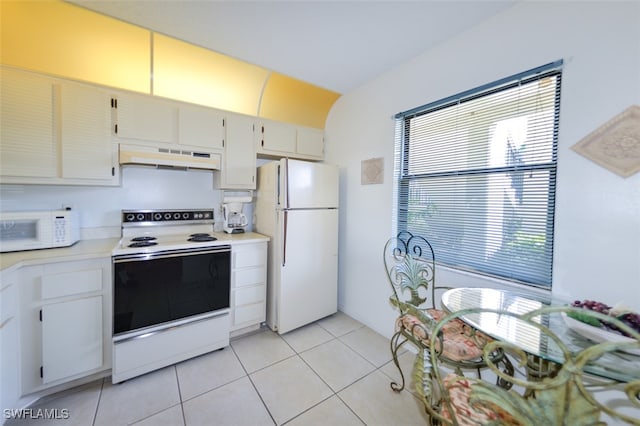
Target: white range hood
{"type": "Point", "coordinates": [168, 157]}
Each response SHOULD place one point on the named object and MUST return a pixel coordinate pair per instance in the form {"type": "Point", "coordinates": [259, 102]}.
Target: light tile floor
{"type": "Point", "coordinates": [332, 372]}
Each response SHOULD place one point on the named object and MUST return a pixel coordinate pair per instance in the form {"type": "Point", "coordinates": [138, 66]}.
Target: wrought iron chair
{"type": "Point", "coordinates": [410, 265]}
{"type": "Point", "coordinates": [568, 397]}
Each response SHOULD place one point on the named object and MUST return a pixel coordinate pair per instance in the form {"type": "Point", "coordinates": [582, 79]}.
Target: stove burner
{"type": "Point", "coordinates": [201, 237]}
{"type": "Point", "coordinates": [146, 243]}
{"type": "Point", "coordinates": [144, 238]}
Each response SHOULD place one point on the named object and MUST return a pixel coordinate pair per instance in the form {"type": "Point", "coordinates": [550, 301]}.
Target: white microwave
{"type": "Point", "coordinates": [30, 230]}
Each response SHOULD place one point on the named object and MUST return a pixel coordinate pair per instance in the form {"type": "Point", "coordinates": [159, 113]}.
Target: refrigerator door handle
{"type": "Point", "coordinates": [286, 182]}
{"type": "Point", "coordinates": [284, 239]}
{"type": "Point", "coordinates": [279, 184]}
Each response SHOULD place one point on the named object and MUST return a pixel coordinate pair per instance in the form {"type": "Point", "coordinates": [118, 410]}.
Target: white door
{"type": "Point", "coordinates": [71, 338]}
{"type": "Point", "coordinates": [198, 126]}
{"type": "Point", "coordinates": [310, 185]}
{"type": "Point", "coordinates": [87, 151]}
{"type": "Point", "coordinates": [308, 287]}
{"type": "Point", "coordinates": [147, 118]}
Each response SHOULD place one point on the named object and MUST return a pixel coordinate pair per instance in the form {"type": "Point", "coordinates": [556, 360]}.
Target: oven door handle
{"type": "Point", "coordinates": [169, 253]}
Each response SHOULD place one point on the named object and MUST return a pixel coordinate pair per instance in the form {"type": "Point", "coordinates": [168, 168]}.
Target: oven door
{"type": "Point", "coordinates": [169, 287]}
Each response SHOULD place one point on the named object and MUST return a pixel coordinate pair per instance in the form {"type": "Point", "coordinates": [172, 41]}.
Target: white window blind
{"type": "Point", "coordinates": [476, 176]}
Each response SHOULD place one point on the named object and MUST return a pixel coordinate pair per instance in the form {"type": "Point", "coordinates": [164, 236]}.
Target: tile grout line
{"type": "Point", "coordinates": [253, 385]}
{"type": "Point", "coordinates": [184, 419]}
{"type": "Point", "coordinates": [334, 393]}
{"type": "Point", "coordinates": [95, 413]}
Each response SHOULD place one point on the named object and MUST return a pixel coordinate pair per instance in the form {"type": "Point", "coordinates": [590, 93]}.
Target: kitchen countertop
{"type": "Point", "coordinates": [89, 249]}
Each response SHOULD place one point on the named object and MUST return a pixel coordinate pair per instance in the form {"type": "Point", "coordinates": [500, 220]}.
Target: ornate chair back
{"type": "Point", "coordinates": [409, 261]}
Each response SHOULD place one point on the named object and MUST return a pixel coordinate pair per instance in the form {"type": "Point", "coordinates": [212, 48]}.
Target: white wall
{"type": "Point", "coordinates": [141, 188]}
{"type": "Point", "coordinates": [597, 225]}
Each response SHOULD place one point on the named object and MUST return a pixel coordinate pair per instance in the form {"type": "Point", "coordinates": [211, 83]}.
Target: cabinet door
{"type": "Point", "coordinates": [71, 338]}
{"type": "Point", "coordinates": [87, 151]}
{"type": "Point", "coordinates": [27, 143]}
{"type": "Point", "coordinates": [199, 126]}
{"type": "Point", "coordinates": [146, 119]}
{"type": "Point", "coordinates": [9, 340]}
{"type": "Point", "coordinates": [310, 142]}
{"type": "Point", "coordinates": [278, 137]}
{"type": "Point", "coordinates": [239, 169]}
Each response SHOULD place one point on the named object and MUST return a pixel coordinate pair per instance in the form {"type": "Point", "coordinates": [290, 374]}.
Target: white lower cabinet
{"type": "Point", "coordinates": [9, 340]}
{"type": "Point", "coordinates": [65, 322]}
{"type": "Point", "coordinates": [65, 353]}
{"type": "Point", "coordinates": [248, 284]}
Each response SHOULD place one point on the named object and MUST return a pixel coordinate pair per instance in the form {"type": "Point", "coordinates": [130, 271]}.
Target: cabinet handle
{"type": "Point", "coordinates": [262, 143]}
{"type": "Point", "coordinates": [113, 171]}
{"type": "Point", "coordinates": [40, 315]}
{"type": "Point", "coordinates": [115, 128]}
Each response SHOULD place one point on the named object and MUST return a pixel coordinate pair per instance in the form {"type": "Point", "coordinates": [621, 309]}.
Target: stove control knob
{"type": "Point", "coordinates": [167, 216]}
{"type": "Point", "coordinates": [176, 216]}
{"type": "Point", "coordinates": [130, 217]}
{"type": "Point", "coordinates": [185, 215]}
{"type": "Point", "coordinates": [157, 216]}
{"type": "Point", "coordinates": [140, 217]}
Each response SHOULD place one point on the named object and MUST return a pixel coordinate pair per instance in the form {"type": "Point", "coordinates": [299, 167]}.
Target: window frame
{"type": "Point", "coordinates": [402, 177]}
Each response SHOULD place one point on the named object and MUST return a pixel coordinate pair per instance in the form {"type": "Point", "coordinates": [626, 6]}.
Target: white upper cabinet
{"type": "Point", "coordinates": [55, 132]}
{"type": "Point", "coordinates": [277, 138]}
{"type": "Point", "coordinates": [239, 164]}
{"type": "Point", "coordinates": [199, 126]}
{"type": "Point", "coordinates": [27, 144]}
{"type": "Point", "coordinates": [145, 118]}
{"type": "Point", "coordinates": [163, 123]}
{"type": "Point", "coordinates": [274, 139]}
{"type": "Point", "coordinates": [310, 142]}
{"type": "Point", "coordinates": [85, 129]}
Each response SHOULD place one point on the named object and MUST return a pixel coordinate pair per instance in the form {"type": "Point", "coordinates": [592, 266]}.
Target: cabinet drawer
{"type": "Point", "coordinates": [250, 276]}
{"type": "Point", "coordinates": [249, 255]}
{"type": "Point", "coordinates": [69, 283]}
{"type": "Point", "coordinates": [250, 295]}
{"type": "Point", "coordinates": [250, 313]}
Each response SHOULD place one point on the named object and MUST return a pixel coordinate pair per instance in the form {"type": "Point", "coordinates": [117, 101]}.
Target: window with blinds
{"type": "Point", "coordinates": [476, 176]}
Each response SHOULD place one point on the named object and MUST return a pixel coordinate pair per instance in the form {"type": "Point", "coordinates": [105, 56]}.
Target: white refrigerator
{"type": "Point", "coordinates": [297, 207]}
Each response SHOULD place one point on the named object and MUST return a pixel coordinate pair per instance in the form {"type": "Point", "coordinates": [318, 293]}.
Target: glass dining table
{"type": "Point", "coordinates": [618, 366]}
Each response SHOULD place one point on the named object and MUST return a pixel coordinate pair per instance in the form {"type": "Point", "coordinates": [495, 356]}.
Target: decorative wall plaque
{"type": "Point", "coordinates": [616, 144]}
{"type": "Point", "coordinates": [372, 171]}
